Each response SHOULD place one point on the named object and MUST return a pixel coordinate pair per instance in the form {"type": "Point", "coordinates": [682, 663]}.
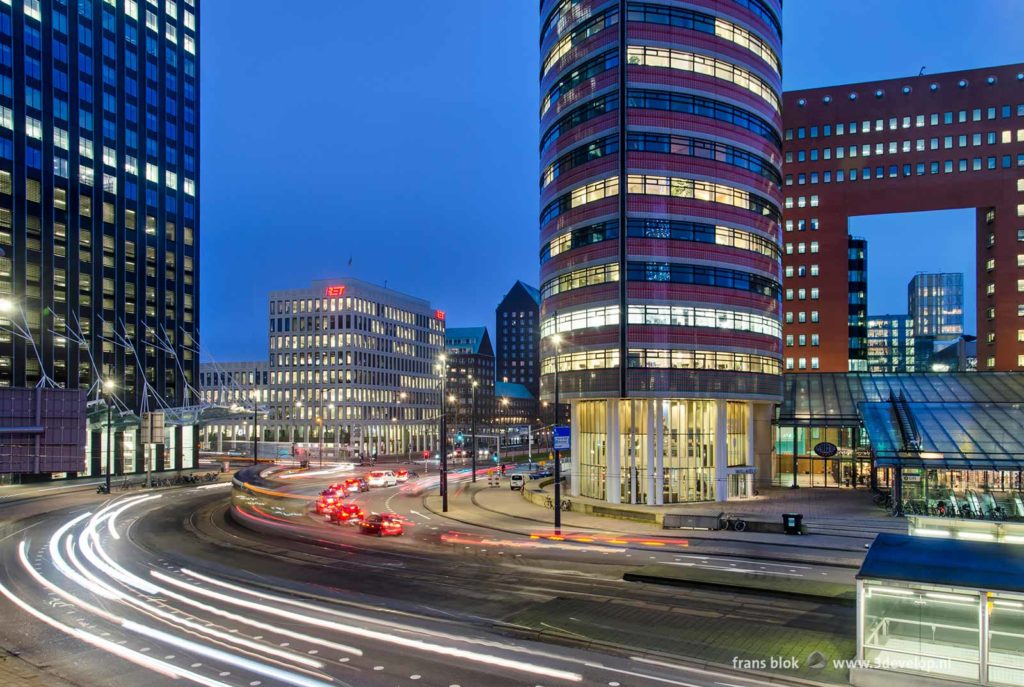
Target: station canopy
{"type": "Point", "coordinates": [958, 436]}
{"type": "Point", "coordinates": [833, 399]}
{"type": "Point", "coordinates": [965, 421]}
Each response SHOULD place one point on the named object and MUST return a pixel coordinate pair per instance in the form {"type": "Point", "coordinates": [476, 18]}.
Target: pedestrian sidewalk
{"type": "Point", "coordinates": [502, 509]}
{"type": "Point", "coordinates": [16, 672]}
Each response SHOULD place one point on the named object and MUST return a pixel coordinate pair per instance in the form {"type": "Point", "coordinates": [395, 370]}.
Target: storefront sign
{"type": "Point", "coordinates": [826, 449]}
{"type": "Point", "coordinates": [743, 470]}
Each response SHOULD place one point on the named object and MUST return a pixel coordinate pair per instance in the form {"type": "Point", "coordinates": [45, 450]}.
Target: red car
{"type": "Point", "coordinates": [402, 475]}
{"type": "Point", "coordinates": [327, 502]}
{"type": "Point", "coordinates": [347, 512]}
{"type": "Point", "coordinates": [385, 525]}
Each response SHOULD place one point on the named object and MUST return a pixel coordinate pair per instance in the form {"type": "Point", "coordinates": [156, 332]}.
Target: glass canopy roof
{"type": "Point", "coordinates": [962, 436]}
{"type": "Point", "coordinates": [832, 399]}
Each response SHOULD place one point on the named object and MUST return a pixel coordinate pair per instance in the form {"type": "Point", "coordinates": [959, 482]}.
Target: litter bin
{"type": "Point", "coordinates": [792, 523]}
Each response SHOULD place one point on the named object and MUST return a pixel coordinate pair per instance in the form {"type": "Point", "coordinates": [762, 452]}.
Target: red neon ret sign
{"type": "Point", "coordinates": [439, 314]}
{"type": "Point", "coordinates": [335, 291]}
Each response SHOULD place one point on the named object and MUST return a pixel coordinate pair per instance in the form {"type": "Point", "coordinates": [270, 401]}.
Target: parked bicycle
{"type": "Point", "coordinates": [733, 522]}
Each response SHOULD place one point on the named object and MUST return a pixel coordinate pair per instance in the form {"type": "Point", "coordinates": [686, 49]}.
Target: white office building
{"type": "Point", "coordinates": [352, 365]}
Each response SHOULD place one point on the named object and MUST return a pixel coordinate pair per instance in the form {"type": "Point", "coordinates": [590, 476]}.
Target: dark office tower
{"type": "Point", "coordinates": [936, 304]}
{"type": "Point", "coordinates": [470, 363]}
{"type": "Point", "coordinates": [857, 303]}
{"type": "Point", "coordinates": [99, 194]}
{"type": "Point", "coordinates": [928, 142]}
{"type": "Point", "coordinates": [660, 206]}
{"type": "Point", "coordinates": [517, 334]}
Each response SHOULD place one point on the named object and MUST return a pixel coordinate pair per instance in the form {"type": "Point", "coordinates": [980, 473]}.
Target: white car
{"type": "Point", "coordinates": [382, 478]}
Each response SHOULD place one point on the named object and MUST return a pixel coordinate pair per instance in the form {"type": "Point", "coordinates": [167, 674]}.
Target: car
{"type": "Point", "coordinates": [516, 482]}
{"type": "Point", "coordinates": [402, 475]}
{"type": "Point", "coordinates": [325, 503]}
{"type": "Point", "coordinates": [363, 484]}
{"type": "Point", "coordinates": [351, 485]}
{"type": "Point", "coordinates": [347, 513]}
{"type": "Point", "coordinates": [382, 478]}
{"type": "Point", "coordinates": [382, 525]}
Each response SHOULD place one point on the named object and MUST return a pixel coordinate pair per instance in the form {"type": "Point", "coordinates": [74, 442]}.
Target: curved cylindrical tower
{"type": "Point", "coordinates": [659, 233]}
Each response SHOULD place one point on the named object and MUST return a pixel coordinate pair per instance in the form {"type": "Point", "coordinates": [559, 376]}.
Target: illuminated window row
{"type": "Point", "coordinates": [703, 64]}
{"type": "Point", "coordinates": [577, 279]}
{"type": "Point", "coordinates": [579, 238]}
{"type": "Point", "coordinates": [705, 23]}
{"type": "Point", "coordinates": [664, 229]}
{"type": "Point", "coordinates": [582, 73]}
{"type": "Point", "coordinates": [592, 27]}
{"type": "Point", "coordinates": [663, 315]}
{"type": "Point", "coordinates": [663, 359]}
{"type": "Point", "coordinates": [588, 193]}
{"type": "Point", "coordinates": [707, 191]}
{"type": "Point", "coordinates": [677, 230]}
{"type": "Point", "coordinates": [655, 185]}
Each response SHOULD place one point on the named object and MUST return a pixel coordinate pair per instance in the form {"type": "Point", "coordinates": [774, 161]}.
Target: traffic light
{"type": "Point", "coordinates": [494, 457]}
{"type": "Point", "coordinates": [459, 438]}
{"type": "Point", "coordinates": [426, 454]}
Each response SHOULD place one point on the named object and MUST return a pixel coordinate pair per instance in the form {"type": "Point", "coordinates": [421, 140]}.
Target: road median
{"type": "Point", "coordinates": [744, 580]}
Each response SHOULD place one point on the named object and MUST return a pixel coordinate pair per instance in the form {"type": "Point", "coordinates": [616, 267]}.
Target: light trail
{"type": "Point", "coordinates": [417, 644]}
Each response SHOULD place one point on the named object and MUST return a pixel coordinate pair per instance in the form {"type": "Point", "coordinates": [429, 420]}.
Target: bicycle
{"type": "Point", "coordinates": [733, 522]}
{"type": "Point", "coordinates": [549, 503]}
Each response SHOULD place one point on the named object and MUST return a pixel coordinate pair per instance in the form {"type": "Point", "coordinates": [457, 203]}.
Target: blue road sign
{"type": "Point", "coordinates": [562, 438]}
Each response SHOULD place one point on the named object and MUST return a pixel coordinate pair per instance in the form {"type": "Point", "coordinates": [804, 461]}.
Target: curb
{"type": "Point", "coordinates": [753, 557]}
{"type": "Point", "coordinates": [674, 582]}
{"type": "Point", "coordinates": [555, 637]}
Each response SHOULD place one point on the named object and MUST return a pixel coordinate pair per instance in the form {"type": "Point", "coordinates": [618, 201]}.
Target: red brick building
{"type": "Point", "coordinates": [930, 142]}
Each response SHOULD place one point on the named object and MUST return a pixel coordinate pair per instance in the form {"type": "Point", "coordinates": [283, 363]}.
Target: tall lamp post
{"type": "Point", "coordinates": [556, 340]}
{"type": "Point", "coordinates": [443, 481]}
{"type": "Point", "coordinates": [108, 393]}
{"type": "Point", "coordinates": [401, 429]}
{"type": "Point", "coordinates": [473, 386]}
{"type": "Point", "coordinates": [298, 416]}
{"type": "Point", "coordinates": [255, 428]}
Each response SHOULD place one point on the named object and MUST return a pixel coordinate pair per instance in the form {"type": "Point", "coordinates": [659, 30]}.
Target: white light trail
{"type": "Point", "coordinates": [417, 644]}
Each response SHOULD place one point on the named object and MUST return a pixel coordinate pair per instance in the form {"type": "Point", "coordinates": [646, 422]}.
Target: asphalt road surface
{"type": "Point", "coordinates": [163, 588]}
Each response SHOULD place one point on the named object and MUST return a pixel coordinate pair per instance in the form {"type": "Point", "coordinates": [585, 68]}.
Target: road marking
{"type": "Point", "coordinates": [416, 512]}
{"type": "Point", "coordinates": [642, 675]}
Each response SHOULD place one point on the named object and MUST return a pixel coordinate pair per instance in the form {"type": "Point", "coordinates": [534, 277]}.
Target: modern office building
{"type": "Point", "coordinates": [920, 143]}
{"type": "Point", "coordinates": [936, 303]}
{"type": "Point", "coordinates": [517, 336]}
{"type": "Point", "coordinates": [890, 343]}
{"type": "Point", "coordinates": [99, 206]}
{"type": "Point", "coordinates": [99, 178]}
{"type": "Point", "coordinates": [233, 386]}
{"type": "Point", "coordinates": [356, 362]}
{"type": "Point", "coordinates": [659, 228]}
{"type": "Point", "coordinates": [470, 365]}
{"type": "Point", "coordinates": [515, 405]}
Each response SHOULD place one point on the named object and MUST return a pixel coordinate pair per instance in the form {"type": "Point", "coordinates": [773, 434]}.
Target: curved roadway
{"type": "Point", "coordinates": [158, 587]}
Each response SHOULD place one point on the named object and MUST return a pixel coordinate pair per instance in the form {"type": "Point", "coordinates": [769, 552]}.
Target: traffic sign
{"type": "Point", "coordinates": [561, 438]}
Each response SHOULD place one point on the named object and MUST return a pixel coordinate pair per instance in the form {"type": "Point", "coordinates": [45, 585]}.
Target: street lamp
{"type": "Point", "coordinates": [443, 481]}
{"type": "Point", "coordinates": [298, 413]}
{"type": "Point", "coordinates": [108, 393]}
{"type": "Point", "coordinates": [473, 429]}
{"type": "Point", "coordinates": [556, 340]}
{"type": "Point", "coordinates": [402, 432]}
{"type": "Point", "coordinates": [255, 428]}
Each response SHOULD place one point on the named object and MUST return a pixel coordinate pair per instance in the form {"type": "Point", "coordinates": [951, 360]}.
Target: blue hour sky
{"type": "Point", "coordinates": [406, 140]}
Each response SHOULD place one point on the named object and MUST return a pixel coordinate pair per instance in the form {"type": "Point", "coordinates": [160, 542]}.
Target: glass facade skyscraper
{"type": "Point", "coordinates": [99, 194]}
{"type": "Point", "coordinates": [936, 304]}
{"type": "Point", "coordinates": [661, 200]}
